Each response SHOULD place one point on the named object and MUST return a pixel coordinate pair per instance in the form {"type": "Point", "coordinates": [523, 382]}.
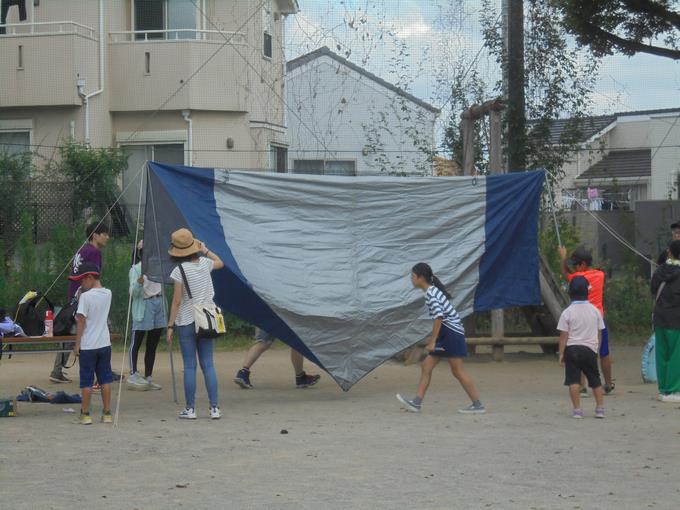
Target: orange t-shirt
{"type": "Point", "coordinates": [595, 278]}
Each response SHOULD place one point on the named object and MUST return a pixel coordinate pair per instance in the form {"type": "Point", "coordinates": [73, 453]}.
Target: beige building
{"type": "Point", "coordinates": [198, 82]}
{"type": "Point", "coordinates": [623, 158]}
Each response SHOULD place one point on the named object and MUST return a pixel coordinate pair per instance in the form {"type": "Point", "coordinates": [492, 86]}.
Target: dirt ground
{"type": "Point", "coordinates": [351, 450]}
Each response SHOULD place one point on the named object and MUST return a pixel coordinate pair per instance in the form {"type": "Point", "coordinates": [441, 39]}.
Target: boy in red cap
{"type": "Point", "coordinates": [93, 342]}
{"type": "Point", "coordinates": [581, 265]}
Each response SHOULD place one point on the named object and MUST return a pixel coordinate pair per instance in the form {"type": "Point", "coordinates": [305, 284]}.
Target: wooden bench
{"type": "Point", "coordinates": [9, 342]}
{"type": "Point", "coordinates": [547, 343]}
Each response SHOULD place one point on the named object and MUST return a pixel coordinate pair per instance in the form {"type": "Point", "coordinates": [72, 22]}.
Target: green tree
{"type": "Point", "coordinates": [624, 26]}
{"type": "Point", "coordinates": [94, 173]}
{"type": "Point", "coordinates": [15, 172]}
{"type": "Point", "coordinates": [559, 78]}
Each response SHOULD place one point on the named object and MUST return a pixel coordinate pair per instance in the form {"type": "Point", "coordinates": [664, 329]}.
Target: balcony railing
{"type": "Point", "coordinates": [48, 28]}
{"type": "Point", "coordinates": [176, 35]}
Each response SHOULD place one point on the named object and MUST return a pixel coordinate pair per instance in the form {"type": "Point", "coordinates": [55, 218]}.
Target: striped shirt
{"type": "Point", "coordinates": [201, 285]}
{"type": "Point", "coordinates": [440, 308]}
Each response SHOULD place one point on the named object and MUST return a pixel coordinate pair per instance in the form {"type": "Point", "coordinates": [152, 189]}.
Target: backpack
{"type": "Point", "coordinates": [30, 313]}
{"type": "Point", "coordinates": [65, 319]}
{"type": "Point", "coordinates": [648, 364]}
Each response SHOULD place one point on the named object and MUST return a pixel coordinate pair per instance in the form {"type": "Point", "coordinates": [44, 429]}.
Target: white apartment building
{"type": "Point", "coordinates": [344, 120]}
{"type": "Point", "coordinates": [195, 82]}
{"type": "Point", "coordinates": [623, 158]}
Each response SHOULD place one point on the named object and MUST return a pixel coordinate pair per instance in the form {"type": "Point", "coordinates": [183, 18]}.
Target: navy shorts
{"type": "Point", "coordinates": [95, 361]}
{"type": "Point", "coordinates": [449, 344]}
{"type": "Point", "coordinates": [604, 345]}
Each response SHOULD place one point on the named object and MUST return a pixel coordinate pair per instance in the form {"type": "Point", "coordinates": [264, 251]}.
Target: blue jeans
{"type": "Point", "coordinates": [190, 346]}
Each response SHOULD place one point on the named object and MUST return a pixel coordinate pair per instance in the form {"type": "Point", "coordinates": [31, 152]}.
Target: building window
{"type": "Point", "coordinates": [278, 158]}
{"type": "Point", "coordinates": [267, 49]}
{"type": "Point", "coordinates": [321, 167]}
{"type": "Point", "coordinates": [267, 29]}
{"type": "Point", "coordinates": [138, 155]}
{"type": "Point", "coordinates": [15, 142]}
{"type": "Point", "coordinates": [167, 16]}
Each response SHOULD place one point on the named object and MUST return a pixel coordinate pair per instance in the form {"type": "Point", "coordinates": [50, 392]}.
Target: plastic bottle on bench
{"type": "Point", "coordinates": [49, 323]}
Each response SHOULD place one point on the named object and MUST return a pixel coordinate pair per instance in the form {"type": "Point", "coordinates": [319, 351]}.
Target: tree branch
{"type": "Point", "coordinates": [631, 46]}
{"type": "Point", "coordinates": [650, 7]}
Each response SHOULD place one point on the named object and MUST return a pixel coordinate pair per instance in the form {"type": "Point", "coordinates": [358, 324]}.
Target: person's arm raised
{"type": "Point", "coordinates": [217, 262]}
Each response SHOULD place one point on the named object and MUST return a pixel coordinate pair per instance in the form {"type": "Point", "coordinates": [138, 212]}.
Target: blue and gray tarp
{"type": "Point", "coordinates": [323, 262]}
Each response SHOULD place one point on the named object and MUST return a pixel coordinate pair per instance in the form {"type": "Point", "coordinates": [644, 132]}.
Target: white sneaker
{"type": "Point", "coordinates": [188, 414]}
{"type": "Point", "coordinates": [137, 383]}
{"type": "Point", "coordinates": [672, 397]}
{"type": "Point", "coordinates": [215, 413]}
{"type": "Point", "coordinates": [153, 385]}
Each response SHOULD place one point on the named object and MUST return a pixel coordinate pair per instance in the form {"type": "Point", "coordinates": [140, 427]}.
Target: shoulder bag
{"type": "Point", "coordinates": [208, 318]}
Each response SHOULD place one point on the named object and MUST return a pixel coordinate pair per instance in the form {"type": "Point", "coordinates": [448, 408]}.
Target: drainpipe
{"type": "Point", "coordinates": [86, 97]}
{"type": "Point", "coordinates": [186, 114]}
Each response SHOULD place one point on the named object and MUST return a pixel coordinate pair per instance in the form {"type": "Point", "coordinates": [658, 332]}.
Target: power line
{"type": "Point", "coordinates": [255, 70]}
{"type": "Point", "coordinates": [578, 149]}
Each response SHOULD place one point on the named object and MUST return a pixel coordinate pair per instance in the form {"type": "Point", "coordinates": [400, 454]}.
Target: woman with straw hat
{"type": "Point", "coordinates": [197, 262]}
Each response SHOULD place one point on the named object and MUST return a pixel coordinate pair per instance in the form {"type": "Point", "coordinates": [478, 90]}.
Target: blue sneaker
{"type": "Point", "coordinates": [243, 379]}
{"type": "Point", "coordinates": [305, 381]}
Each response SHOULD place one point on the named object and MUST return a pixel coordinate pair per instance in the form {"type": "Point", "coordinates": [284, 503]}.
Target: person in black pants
{"type": "Point", "coordinates": [148, 319]}
{"type": "Point", "coordinates": [4, 9]}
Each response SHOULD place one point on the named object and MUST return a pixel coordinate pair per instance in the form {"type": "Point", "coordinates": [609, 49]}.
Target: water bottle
{"type": "Point", "coordinates": [49, 323]}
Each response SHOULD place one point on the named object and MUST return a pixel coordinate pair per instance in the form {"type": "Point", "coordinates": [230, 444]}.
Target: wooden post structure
{"type": "Point", "coordinates": [469, 117]}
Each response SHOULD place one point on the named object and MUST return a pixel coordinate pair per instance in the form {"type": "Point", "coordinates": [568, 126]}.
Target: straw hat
{"type": "Point", "coordinates": [183, 244]}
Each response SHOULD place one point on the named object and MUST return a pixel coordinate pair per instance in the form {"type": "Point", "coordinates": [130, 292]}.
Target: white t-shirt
{"type": "Point", "coordinates": [94, 305]}
{"type": "Point", "coordinates": [583, 322]}
{"type": "Point", "coordinates": [201, 285]}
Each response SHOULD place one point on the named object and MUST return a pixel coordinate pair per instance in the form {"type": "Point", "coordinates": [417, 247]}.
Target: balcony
{"type": "Point", "coordinates": [148, 67]}
{"type": "Point", "coordinates": [42, 63]}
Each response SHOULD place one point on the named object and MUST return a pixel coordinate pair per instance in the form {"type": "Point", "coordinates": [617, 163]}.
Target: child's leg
{"type": "Point", "coordinates": [463, 379]}
{"type": "Point", "coordinates": [104, 375]}
{"type": "Point", "coordinates": [106, 397]}
{"type": "Point", "coordinates": [606, 363]}
{"type": "Point", "coordinates": [297, 360]}
{"type": "Point", "coordinates": [85, 404]}
{"type": "Point", "coordinates": [87, 370]}
{"type": "Point", "coordinates": [255, 352]}
{"type": "Point", "coordinates": [574, 393]}
{"type": "Point", "coordinates": [605, 359]}
{"type": "Point", "coordinates": [599, 396]}
{"type": "Point", "coordinates": [152, 339]}
{"type": "Point", "coordinates": [427, 366]}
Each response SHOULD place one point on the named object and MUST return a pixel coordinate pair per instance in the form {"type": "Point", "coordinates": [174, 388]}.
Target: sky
{"type": "Point", "coordinates": [438, 34]}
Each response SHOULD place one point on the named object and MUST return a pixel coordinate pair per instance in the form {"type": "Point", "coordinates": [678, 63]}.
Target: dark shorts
{"type": "Point", "coordinates": [604, 345]}
{"type": "Point", "coordinates": [449, 344]}
{"type": "Point", "coordinates": [95, 361]}
{"type": "Point", "coordinates": [579, 359]}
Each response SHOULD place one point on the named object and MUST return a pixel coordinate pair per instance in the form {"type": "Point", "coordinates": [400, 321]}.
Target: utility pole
{"type": "Point", "coordinates": [513, 79]}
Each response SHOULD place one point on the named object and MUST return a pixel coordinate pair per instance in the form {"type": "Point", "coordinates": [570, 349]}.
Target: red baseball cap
{"type": "Point", "coordinates": [85, 269]}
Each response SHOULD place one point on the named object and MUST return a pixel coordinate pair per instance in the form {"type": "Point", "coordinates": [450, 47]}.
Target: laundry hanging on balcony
{"type": "Point", "coordinates": [323, 263]}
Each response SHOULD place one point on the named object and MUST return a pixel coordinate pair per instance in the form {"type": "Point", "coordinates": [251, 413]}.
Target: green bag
{"type": "Point", "coordinates": [7, 408]}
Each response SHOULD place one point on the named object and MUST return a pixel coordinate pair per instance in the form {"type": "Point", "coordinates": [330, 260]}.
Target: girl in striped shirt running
{"type": "Point", "coordinates": [447, 341]}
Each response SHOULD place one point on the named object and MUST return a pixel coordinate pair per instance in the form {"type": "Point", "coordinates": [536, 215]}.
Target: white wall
{"type": "Point", "coordinates": [333, 110]}
{"type": "Point", "coordinates": [664, 135]}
